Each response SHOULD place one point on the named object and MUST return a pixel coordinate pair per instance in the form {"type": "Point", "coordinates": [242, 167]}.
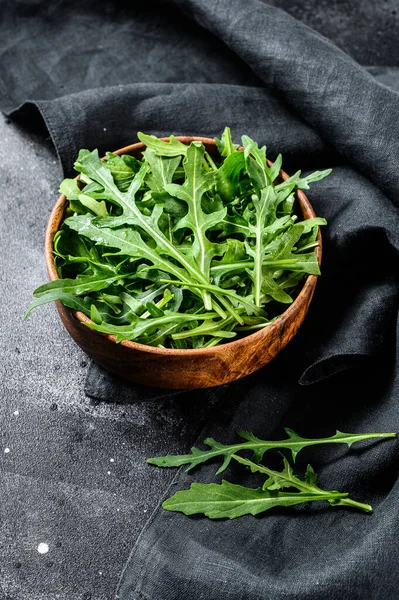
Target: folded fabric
{"type": "Point", "coordinates": [254, 68]}
{"type": "Point", "coordinates": [308, 553]}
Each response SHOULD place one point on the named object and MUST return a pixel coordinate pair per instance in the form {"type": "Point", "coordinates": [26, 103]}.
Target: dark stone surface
{"type": "Point", "coordinates": [73, 471]}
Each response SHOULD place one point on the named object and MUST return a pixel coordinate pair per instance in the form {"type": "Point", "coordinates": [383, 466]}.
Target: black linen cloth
{"type": "Point", "coordinates": [251, 66]}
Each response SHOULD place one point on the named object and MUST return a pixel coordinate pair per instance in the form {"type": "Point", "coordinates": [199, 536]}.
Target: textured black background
{"type": "Point", "coordinates": [55, 483]}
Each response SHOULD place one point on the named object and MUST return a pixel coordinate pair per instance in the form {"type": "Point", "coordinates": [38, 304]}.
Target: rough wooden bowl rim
{"type": "Point", "coordinates": [56, 220]}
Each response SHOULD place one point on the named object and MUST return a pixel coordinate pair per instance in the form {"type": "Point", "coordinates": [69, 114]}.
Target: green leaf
{"type": "Point", "coordinates": [123, 168]}
{"type": "Point", "coordinates": [98, 208]}
{"type": "Point", "coordinates": [295, 181]}
{"type": "Point", "coordinates": [95, 314]}
{"type": "Point", "coordinates": [168, 149]}
{"type": "Point", "coordinates": [70, 188]}
{"type": "Point", "coordinates": [128, 242]}
{"type": "Point", "coordinates": [93, 167]}
{"type": "Point", "coordinates": [286, 479]}
{"type": "Point", "coordinates": [270, 287]}
{"type": "Point", "coordinates": [140, 327]}
{"type": "Point", "coordinates": [225, 144]}
{"type": "Point", "coordinates": [294, 444]}
{"type": "Point", "coordinates": [162, 169]}
{"type": "Point", "coordinates": [263, 206]}
{"type": "Point", "coordinates": [67, 299]}
{"type": "Point", "coordinates": [256, 163]}
{"type": "Point", "coordinates": [275, 168]}
{"type": "Point", "coordinates": [228, 500]}
{"type": "Point", "coordinates": [228, 177]}
{"type": "Point", "coordinates": [83, 284]}
{"type": "Point", "coordinates": [309, 224]}
{"type": "Point", "coordinates": [191, 192]}
{"type": "Point", "coordinates": [235, 251]}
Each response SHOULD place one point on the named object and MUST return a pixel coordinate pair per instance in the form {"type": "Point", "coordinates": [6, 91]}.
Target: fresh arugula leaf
{"type": "Point", "coordinates": [259, 249]}
{"type": "Point", "coordinates": [82, 285]}
{"type": "Point", "coordinates": [225, 145]}
{"type": "Point", "coordinates": [96, 207]}
{"type": "Point", "coordinates": [228, 500]}
{"type": "Point", "coordinates": [295, 181]}
{"type": "Point", "coordinates": [256, 163]}
{"type": "Point", "coordinates": [294, 444]}
{"type": "Point", "coordinates": [286, 479]}
{"type": "Point", "coordinates": [70, 188]}
{"type": "Point", "coordinates": [162, 169]}
{"type": "Point", "coordinates": [191, 192]}
{"type": "Point", "coordinates": [172, 148]}
{"type": "Point", "coordinates": [218, 231]}
{"type": "Point", "coordinates": [123, 169]}
{"type": "Point", "coordinates": [128, 242]}
{"type": "Point", "coordinates": [228, 177]}
{"type": "Point", "coordinates": [68, 300]}
{"type": "Point", "coordinates": [140, 326]}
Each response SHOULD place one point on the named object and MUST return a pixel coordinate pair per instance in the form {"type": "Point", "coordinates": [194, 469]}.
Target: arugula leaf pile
{"type": "Point", "coordinates": [181, 249]}
{"type": "Point", "coordinates": [228, 500]}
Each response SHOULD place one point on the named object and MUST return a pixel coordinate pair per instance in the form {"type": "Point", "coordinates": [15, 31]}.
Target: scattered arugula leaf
{"type": "Point", "coordinates": [294, 443]}
{"type": "Point", "coordinates": [228, 500]}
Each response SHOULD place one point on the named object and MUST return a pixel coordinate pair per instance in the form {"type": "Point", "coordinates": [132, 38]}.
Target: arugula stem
{"type": "Point", "coordinates": [210, 161]}
{"type": "Point", "coordinates": [307, 247]}
{"type": "Point", "coordinates": [230, 309]}
{"type": "Point", "coordinates": [245, 228]}
{"type": "Point", "coordinates": [218, 309]}
{"type": "Point", "coordinates": [247, 264]}
{"type": "Point", "coordinates": [305, 442]}
{"type": "Point", "coordinates": [212, 342]}
{"type": "Point", "coordinates": [302, 486]}
{"type": "Point", "coordinates": [218, 290]}
{"type": "Point", "coordinates": [353, 504]}
{"type": "Point", "coordinates": [253, 327]}
{"type": "Point", "coordinates": [257, 273]}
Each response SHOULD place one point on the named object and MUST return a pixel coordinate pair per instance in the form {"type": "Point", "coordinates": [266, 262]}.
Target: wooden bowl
{"type": "Point", "coordinates": [183, 369]}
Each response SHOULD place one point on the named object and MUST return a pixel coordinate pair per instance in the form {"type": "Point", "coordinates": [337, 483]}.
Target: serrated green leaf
{"type": "Point", "coordinates": [82, 284]}
{"type": "Point", "coordinates": [228, 500]}
{"type": "Point", "coordinates": [162, 169]}
{"type": "Point", "coordinates": [294, 444]}
{"type": "Point", "coordinates": [286, 479]}
{"type": "Point", "coordinates": [98, 208]}
{"type": "Point", "coordinates": [168, 149]}
{"type": "Point", "coordinates": [128, 242]}
{"type": "Point", "coordinates": [302, 183]}
{"type": "Point", "coordinates": [70, 188]}
{"type": "Point", "coordinates": [225, 145]}
{"type": "Point", "coordinates": [140, 327]}
{"type": "Point", "coordinates": [263, 206]}
{"type": "Point", "coordinates": [68, 300]}
{"type": "Point", "coordinates": [196, 219]}
{"type": "Point", "coordinates": [228, 177]}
